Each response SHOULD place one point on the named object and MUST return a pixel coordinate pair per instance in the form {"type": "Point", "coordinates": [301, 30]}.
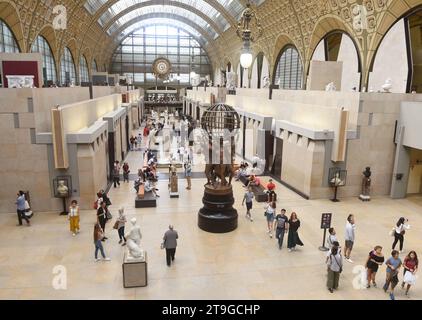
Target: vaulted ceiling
{"type": "Point", "coordinates": [95, 27]}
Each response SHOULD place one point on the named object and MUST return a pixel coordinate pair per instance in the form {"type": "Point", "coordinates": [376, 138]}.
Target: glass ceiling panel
{"type": "Point", "coordinates": [166, 10]}
{"type": "Point", "coordinates": [202, 6]}
{"type": "Point", "coordinates": [234, 7]}
{"type": "Point", "coordinates": [163, 21]}
{"type": "Point", "coordinates": [93, 5]}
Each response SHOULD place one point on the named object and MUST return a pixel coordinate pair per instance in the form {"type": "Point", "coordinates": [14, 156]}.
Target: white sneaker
{"type": "Point", "coordinates": [74, 234]}
{"type": "Point", "coordinates": [290, 250]}
{"type": "Point", "coordinates": [251, 219]}
{"type": "Point", "coordinates": [271, 235]}
{"type": "Point", "coordinates": [349, 260]}
{"type": "Point", "coordinates": [106, 259]}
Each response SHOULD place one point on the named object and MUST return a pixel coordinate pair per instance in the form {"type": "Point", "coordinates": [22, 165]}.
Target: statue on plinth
{"type": "Point", "coordinates": [62, 189]}
{"type": "Point", "coordinates": [133, 241]}
{"type": "Point", "coordinates": [220, 123]}
{"type": "Point", "coordinates": [366, 185]}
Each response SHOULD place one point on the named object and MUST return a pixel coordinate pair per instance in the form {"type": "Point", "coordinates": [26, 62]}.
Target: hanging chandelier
{"type": "Point", "coordinates": [244, 31]}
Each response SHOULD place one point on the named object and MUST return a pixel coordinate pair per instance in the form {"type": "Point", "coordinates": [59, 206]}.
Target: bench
{"type": "Point", "coordinates": [260, 191]}
{"type": "Point", "coordinates": [145, 199]}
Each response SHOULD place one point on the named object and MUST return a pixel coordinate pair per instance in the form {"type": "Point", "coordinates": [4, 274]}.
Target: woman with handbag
{"type": "Point", "coordinates": [293, 238]}
{"type": "Point", "coordinates": [73, 217]}
{"type": "Point", "coordinates": [401, 228]}
{"type": "Point", "coordinates": [410, 265]}
{"type": "Point", "coordinates": [375, 259]}
{"type": "Point", "coordinates": [335, 267]}
{"type": "Point", "coordinates": [98, 237]}
{"type": "Point", "coordinates": [120, 226]}
{"type": "Point", "coordinates": [102, 218]}
{"type": "Point", "coordinates": [270, 215]}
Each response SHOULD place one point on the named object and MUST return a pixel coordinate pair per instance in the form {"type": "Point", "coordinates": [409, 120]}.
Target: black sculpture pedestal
{"type": "Point", "coordinates": [218, 214]}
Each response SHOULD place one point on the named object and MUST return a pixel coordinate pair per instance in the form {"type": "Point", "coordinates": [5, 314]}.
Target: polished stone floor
{"type": "Point", "coordinates": [244, 264]}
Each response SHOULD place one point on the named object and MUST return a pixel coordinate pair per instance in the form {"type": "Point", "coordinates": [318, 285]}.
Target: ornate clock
{"type": "Point", "coordinates": [161, 68]}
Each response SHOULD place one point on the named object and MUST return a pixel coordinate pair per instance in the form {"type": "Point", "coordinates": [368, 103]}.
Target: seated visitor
{"type": "Point", "coordinates": [150, 187]}
{"type": "Point", "coordinates": [270, 190]}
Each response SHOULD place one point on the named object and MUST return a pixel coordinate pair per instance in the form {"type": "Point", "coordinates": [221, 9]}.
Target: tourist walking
{"type": "Point", "coordinates": [126, 171]}
{"type": "Point", "coordinates": [332, 238]}
{"type": "Point", "coordinates": [248, 199]}
{"type": "Point", "coordinates": [170, 244]}
{"type": "Point", "coordinates": [393, 266]}
{"type": "Point", "coordinates": [293, 239]}
{"type": "Point", "coordinates": [74, 218]}
{"type": "Point", "coordinates": [400, 230]}
{"type": "Point", "coordinates": [335, 267]}
{"type": "Point", "coordinates": [98, 238]}
{"type": "Point", "coordinates": [116, 174]}
{"type": "Point", "coordinates": [281, 227]}
{"type": "Point", "coordinates": [188, 174]}
{"type": "Point", "coordinates": [374, 261]}
{"type": "Point", "coordinates": [349, 237]}
{"type": "Point", "coordinates": [270, 215]}
{"type": "Point", "coordinates": [139, 142]}
{"type": "Point", "coordinates": [120, 225]}
{"type": "Point", "coordinates": [410, 266]}
{"type": "Point", "coordinates": [102, 217]}
{"type": "Point", "coordinates": [132, 143]}
{"type": "Point", "coordinates": [20, 208]}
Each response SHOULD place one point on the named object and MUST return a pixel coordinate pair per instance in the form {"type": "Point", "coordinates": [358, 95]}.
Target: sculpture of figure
{"type": "Point", "coordinates": [336, 181]}
{"type": "Point", "coordinates": [231, 81]}
{"type": "Point", "coordinates": [366, 185]}
{"type": "Point", "coordinates": [133, 240]}
{"type": "Point", "coordinates": [266, 82]}
{"type": "Point", "coordinates": [330, 87]}
{"type": "Point", "coordinates": [388, 85]}
{"type": "Point", "coordinates": [62, 190]}
{"type": "Point", "coordinates": [221, 171]}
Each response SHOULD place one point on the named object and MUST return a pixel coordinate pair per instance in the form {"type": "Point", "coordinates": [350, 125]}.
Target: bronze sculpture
{"type": "Point", "coordinates": [366, 185]}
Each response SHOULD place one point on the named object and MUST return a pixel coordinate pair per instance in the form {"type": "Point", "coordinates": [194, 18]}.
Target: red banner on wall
{"type": "Point", "coordinates": [20, 68]}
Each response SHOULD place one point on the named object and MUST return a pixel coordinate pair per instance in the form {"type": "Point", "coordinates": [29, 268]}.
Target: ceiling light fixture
{"type": "Point", "coordinates": [244, 31]}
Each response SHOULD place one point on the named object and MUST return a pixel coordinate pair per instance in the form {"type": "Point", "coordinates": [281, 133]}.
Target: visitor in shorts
{"type": "Point", "coordinates": [332, 237]}
{"type": "Point", "coordinates": [393, 266]}
{"type": "Point", "coordinates": [248, 198]}
{"type": "Point", "coordinates": [281, 227]}
{"type": "Point", "coordinates": [375, 259]}
{"type": "Point", "coordinates": [350, 237]}
{"type": "Point", "coordinates": [270, 215]}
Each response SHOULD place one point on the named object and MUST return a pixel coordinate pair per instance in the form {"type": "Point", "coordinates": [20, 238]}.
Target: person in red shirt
{"type": "Point", "coordinates": [270, 190]}
{"type": "Point", "coordinates": [410, 265]}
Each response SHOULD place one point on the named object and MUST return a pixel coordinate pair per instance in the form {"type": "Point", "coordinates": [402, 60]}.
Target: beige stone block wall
{"type": "Point", "coordinates": [123, 147]}
{"type": "Point", "coordinates": [92, 172]}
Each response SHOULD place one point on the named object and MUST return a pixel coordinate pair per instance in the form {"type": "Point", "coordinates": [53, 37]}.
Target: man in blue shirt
{"type": "Point", "coordinates": [20, 208]}
{"type": "Point", "coordinates": [393, 265]}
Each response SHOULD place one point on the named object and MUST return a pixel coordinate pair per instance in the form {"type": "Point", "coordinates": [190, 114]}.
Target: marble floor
{"type": "Point", "coordinates": [244, 264]}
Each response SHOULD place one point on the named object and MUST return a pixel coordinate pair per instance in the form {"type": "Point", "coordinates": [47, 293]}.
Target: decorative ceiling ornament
{"type": "Point", "coordinates": [244, 31]}
{"type": "Point", "coordinates": [161, 68]}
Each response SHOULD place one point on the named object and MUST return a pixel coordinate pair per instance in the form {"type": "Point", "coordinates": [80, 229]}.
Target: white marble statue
{"type": "Point", "coordinates": [266, 82]}
{"type": "Point", "coordinates": [20, 81]}
{"type": "Point", "coordinates": [388, 85]}
{"type": "Point", "coordinates": [62, 190]}
{"type": "Point", "coordinates": [133, 241]}
{"type": "Point", "coordinates": [331, 87]}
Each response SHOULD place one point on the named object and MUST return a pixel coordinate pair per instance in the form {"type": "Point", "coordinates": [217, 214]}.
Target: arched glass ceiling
{"type": "Point", "coordinates": [163, 10]}
{"type": "Point", "coordinates": [234, 7]}
{"type": "Point", "coordinates": [162, 21]}
{"type": "Point", "coordinates": [201, 6]}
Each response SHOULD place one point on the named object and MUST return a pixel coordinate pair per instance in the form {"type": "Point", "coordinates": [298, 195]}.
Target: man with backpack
{"type": "Point", "coordinates": [281, 226]}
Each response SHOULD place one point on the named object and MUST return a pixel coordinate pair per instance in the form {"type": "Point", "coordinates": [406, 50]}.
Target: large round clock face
{"type": "Point", "coordinates": [161, 67]}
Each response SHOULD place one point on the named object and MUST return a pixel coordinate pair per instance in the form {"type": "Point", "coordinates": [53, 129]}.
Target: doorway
{"type": "Point", "coordinates": [277, 165]}
{"type": "Point", "coordinates": [414, 186]}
